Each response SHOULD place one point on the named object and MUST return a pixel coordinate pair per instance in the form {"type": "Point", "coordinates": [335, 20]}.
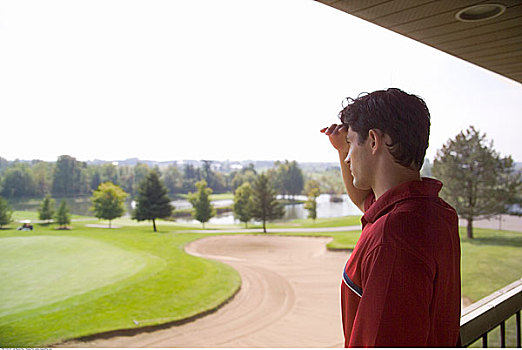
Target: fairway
{"type": "Point", "coordinates": [60, 266]}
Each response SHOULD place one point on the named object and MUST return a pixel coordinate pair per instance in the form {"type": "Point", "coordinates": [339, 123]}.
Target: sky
{"type": "Point", "coordinates": [219, 80]}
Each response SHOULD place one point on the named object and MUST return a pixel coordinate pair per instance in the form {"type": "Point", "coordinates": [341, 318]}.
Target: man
{"type": "Point", "coordinates": [401, 284]}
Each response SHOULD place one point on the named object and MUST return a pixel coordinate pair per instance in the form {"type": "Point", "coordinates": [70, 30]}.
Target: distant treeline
{"type": "Point", "coordinates": [69, 177]}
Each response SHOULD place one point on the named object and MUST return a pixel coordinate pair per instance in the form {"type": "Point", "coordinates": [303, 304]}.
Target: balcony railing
{"type": "Point", "coordinates": [482, 317]}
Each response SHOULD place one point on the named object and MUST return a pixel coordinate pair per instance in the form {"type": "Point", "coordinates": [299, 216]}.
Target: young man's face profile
{"type": "Point", "coordinates": [358, 160]}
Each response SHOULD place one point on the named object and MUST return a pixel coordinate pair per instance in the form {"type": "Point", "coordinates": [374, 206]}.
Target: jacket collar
{"type": "Point", "coordinates": [427, 187]}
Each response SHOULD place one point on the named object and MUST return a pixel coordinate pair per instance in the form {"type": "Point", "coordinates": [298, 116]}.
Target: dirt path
{"type": "Point", "coordinates": [289, 298]}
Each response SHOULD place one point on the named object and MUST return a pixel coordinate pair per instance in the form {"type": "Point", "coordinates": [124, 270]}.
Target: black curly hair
{"type": "Point", "coordinates": [404, 117]}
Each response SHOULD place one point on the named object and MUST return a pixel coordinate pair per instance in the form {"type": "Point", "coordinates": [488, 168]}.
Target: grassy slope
{"type": "Point", "coordinates": [172, 286]}
{"type": "Point", "coordinates": [490, 261]}
{"type": "Point", "coordinates": [62, 266]}
{"type": "Point", "coordinates": [175, 285]}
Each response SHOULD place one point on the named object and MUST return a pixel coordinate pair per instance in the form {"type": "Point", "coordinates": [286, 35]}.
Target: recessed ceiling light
{"type": "Point", "coordinates": [480, 12]}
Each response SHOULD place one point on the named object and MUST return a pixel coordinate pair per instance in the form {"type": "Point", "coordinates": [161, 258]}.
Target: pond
{"type": "Point", "coordinates": [325, 209]}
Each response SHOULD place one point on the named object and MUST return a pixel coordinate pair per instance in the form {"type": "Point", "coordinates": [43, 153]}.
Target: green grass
{"type": "Point", "coordinates": [59, 285]}
{"type": "Point", "coordinates": [321, 222]}
{"type": "Point", "coordinates": [490, 261]}
{"type": "Point", "coordinates": [33, 216]}
{"type": "Point", "coordinates": [61, 266]}
{"type": "Point", "coordinates": [213, 197]}
{"type": "Point", "coordinates": [221, 196]}
{"type": "Point", "coordinates": [163, 284]}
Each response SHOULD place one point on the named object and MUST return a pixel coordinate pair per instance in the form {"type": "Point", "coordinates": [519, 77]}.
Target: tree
{"type": "Point", "coordinates": [207, 173]}
{"type": "Point", "coordinates": [46, 210]}
{"type": "Point", "coordinates": [18, 182]}
{"type": "Point", "coordinates": [63, 218]}
{"type": "Point", "coordinates": [108, 202]}
{"type": "Point", "coordinates": [190, 176]}
{"type": "Point", "coordinates": [509, 193]}
{"type": "Point", "coordinates": [109, 173]}
{"type": "Point", "coordinates": [70, 177]}
{"type": "Point", "coordinates": [4, 163]}
{"type": "Point", "coordinates": [5, 212]}
{"type": "Point", "coordinates": [477, 181]}
{"type": "Point", "coordinates": [243, 203]}
{"type": "Point", "coordinates": [288, 178]}
{"type": "Point", "coordinates": [295, 179]}
{"type": "Point", "coordinates": [310, 185]}
{"type": "Point", "coordinates": [95, 177]}
{"type": "Point", "coordinates": [247, 174]}
{"type": "Point", "coordinates": [152, 202]}
{"type": "Point", "coordinates": [203, 209]}
{"type": "Point", "coordinates": [140, 173]}
{"type": "Point", "coordinates": [311, 203]}
{"type": "Point", "coordinates": [332, 183]}
{"type": "Point", "coordinates": [266, 206]}
{"type": "Point", "coordinates": [126, 179]}
{"type": "Point", "coordinates": [43, 179]}
{"type": "Point", "coordinates": [173, 179]}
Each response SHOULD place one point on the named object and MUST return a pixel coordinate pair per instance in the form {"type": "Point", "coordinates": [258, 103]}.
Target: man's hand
{"type": "Point", "coordinates": [337, 134]}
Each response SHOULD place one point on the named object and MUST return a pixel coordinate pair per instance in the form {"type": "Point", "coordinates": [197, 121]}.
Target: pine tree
{"type": "Point", "coordinates": [203, 209]}
{"type": "Point", "coordinates": [5, 212]}
{"type": "Point", "coordinates": [477, 181]}
{"type": "Point", "coordinates": [152, 202]}
{"type": "Point", "coordinates": [63, 218]}
{"type": "Point", "coordinates": [108, 202]}
{"type": "Point", "coordinates": [311, 203]}
{"type": "Point", "coordinates": [266, 206]}
{"type": "Point", "coordinates": [243, 203]}
{"type": "Point", "coordinates": [46, 210]}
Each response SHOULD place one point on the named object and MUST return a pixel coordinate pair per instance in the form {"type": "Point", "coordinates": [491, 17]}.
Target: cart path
{"type": "Point", "coordinates": [289, 297]}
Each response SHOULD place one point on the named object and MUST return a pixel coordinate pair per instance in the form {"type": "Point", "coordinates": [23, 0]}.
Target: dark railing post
{"type": "Point", "coordinates": [518, 329]}
{"type": "Point", "coordinates": [485, 340]}
{"type": "Point", "coordinates": [503, 335]}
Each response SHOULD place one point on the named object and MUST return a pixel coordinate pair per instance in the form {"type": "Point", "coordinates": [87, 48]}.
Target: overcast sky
{"type": "Point", "coordinates": [227, 79]}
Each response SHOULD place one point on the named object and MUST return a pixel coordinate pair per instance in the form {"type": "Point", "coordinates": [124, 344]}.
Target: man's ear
{"type": "Point", "coordinates": [376, 139]}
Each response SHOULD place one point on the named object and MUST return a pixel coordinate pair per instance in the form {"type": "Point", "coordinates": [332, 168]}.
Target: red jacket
{"type": "Point", "coordinates": [401, 284]}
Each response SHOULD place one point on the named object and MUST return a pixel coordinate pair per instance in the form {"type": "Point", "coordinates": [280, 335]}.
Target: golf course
{"type": "Point", "coordinates": [68, 284]}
